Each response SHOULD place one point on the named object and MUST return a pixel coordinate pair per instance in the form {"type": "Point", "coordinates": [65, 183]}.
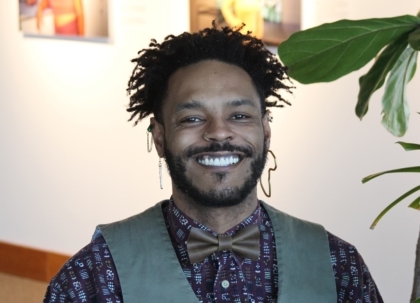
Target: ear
{"type": "Point", "coordinates": [267, 128]}
{"type": "Point", "coordinates": [158, 134]}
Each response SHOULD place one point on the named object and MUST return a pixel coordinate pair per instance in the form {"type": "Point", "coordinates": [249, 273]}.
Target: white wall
{"type": "Point", "coordinates": [69, 160]}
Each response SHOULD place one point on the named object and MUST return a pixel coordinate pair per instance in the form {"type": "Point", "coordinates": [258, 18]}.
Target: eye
{"type": "Point", "coordinates": [191, 120]}
{"type": "Point", "coordinates": [239, 117]}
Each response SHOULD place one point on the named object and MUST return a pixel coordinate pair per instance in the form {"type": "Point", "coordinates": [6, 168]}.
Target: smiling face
{"type": "Point", "coordinates": [214, 137]}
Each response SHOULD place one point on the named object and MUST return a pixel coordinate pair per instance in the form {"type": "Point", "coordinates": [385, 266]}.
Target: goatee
{"type": "Point", "coordinates": [226, 197]}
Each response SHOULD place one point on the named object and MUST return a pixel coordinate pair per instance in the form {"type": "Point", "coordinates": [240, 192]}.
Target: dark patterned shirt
{"type": "Point", "coordinates": [225, 276]}
{"type": "Point", "coordinates": [90, 275]}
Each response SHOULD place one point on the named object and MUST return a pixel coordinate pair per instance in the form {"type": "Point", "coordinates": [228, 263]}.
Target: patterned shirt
{"type": "Point", "coordinates": [90, 275]}
{"type": "Point", "coordinates": [225, 276]}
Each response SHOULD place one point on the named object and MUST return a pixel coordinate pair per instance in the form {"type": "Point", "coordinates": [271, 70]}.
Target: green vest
{"type": "Point", "coordinates": [149, 270]}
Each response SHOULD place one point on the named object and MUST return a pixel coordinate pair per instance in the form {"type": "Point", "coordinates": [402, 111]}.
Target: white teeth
{"type": "Point", "coordinates": [220, 161]}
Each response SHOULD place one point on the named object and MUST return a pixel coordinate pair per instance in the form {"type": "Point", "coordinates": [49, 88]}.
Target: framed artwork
{"type": "Point", "coordinates": [76, 19]}
{"type": "Point", "coordinates": [273, 21]}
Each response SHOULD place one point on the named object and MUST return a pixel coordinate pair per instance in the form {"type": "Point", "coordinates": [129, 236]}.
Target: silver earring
{"type": "Point", "coordinates": [149, 145]}
{"type": "Point", "coordinates": [160, 173]}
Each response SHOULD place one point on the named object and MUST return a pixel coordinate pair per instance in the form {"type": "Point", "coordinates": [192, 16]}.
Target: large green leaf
{"type": "Point", "coordinates": [375, 78]}
{"type": "Point", "coordinates": [330, 51]}
{"type": "Point", "coordinates": [394, 102]}
{"type": "Point", "coordinates": [414, 39]}
{"type": "Point", "coordinates": [416, 300]}
{"type": "Point", "coordinates": [414, 169]}
{"type": "Point", "coordinates": [379, 217]}
{"type": "Point", "coordinates": [409, 146]}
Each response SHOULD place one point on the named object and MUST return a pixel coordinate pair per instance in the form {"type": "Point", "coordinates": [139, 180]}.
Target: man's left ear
{"type": "Point", "coordinates": [266, 127]}
{"type": "Point", "coordinates": [158, 135]}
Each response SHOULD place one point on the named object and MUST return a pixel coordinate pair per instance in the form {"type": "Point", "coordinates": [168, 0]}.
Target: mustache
{"type": "Point", "coordinates": [218, 147]}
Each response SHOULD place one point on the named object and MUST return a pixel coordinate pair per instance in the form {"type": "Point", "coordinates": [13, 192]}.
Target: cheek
{"type": "Point", "coordinates": [180, 142]}
{"type": "Point", "coordinates": [255, 138]}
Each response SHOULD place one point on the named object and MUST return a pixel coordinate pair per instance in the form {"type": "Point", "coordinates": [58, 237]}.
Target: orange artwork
{"type": "Point", "coordinates": [68, 16]}
{"type": "Point", "coordinates": [249, 12]}
{"type": "Point", "coordinates": [64, 18]}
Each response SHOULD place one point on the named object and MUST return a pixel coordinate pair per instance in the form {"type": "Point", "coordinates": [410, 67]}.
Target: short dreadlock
{"type": "Point", "coordinates": [148, 83]}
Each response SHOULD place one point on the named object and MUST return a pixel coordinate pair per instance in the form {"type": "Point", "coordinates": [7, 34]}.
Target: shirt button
{"type": "Point", "coordinates": [225, 283]}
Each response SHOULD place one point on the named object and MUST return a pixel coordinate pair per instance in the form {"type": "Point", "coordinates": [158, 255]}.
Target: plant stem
{"type": "Point", "coordinates": [416, 281]}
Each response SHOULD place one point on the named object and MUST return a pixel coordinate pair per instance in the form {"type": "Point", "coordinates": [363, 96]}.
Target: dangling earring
{"type": "Point", "coordinates": [269, 176]}
{"type": "Point", "coordinates": [149, 145]}
{"type": "Point", "coordinates": [160, 173]}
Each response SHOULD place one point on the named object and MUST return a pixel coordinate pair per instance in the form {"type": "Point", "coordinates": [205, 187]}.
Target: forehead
{"type": "Point", "coordinates": [211, 83]}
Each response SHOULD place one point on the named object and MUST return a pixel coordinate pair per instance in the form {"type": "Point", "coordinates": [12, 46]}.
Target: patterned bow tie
{"type": "Point", "coordinates": [246, 242]}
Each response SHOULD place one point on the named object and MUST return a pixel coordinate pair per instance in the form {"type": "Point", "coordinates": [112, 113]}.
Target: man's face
{"type": "Point", "coordinates": [218, 102]}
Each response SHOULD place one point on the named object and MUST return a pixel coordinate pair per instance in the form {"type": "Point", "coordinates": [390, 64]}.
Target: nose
{"type": "Point", "coordinates": [218, 131]}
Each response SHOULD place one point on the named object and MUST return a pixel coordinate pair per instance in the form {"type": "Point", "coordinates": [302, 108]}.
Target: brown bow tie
{"type": "Point", "coordinates": [245, 242]}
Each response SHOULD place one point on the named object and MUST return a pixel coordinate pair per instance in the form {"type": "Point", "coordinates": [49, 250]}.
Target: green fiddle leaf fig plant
{"type": "Point", "coordinates": [333, 50]}
{"type": "Point", "coordinates": [394, 102]}
{"type": "Point", "coordinates": [415, 169]}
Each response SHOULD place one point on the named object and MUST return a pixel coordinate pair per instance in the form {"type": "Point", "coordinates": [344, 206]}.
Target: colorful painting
{"type": "Point", "coordinates": [270, 20]}
{"type": "Point", "coordinates": [64, 18]}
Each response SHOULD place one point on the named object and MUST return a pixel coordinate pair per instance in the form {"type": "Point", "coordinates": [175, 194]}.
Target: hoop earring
{"type": "Point", "coordinates": [269, 176]}
{"type": "Point", "coordinates": [160, 173]}
{"type": "Point", "coordinates": [149, 131]}
{"type": "Point", "coordinates": [205, 138]}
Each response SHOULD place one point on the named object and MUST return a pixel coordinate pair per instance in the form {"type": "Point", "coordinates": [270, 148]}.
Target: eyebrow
{"type": "Point", "coordinates": [240, 102]}
{"type": "Point", "coordinates": [188, 105]}
{"type": "Point", "coordinates": [194, 104]}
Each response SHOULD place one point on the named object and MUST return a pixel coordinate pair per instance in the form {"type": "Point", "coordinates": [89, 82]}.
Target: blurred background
{"type": "Point", "coordinates": [69, 160]}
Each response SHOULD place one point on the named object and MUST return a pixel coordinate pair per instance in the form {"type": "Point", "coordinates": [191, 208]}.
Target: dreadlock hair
{"type": "Point", "coordinates": [148, 83]}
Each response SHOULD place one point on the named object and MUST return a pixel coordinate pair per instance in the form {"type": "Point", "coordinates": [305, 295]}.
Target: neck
{"type": "Point", "coordinates": [219, 219]}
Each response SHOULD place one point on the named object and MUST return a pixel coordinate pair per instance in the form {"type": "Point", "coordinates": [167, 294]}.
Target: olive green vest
{"type": "Point", "coordinates": [149, 270]}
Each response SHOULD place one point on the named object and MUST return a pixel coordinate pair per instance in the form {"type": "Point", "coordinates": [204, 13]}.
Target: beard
{"type": "Point", "coordinates": [226, 197]}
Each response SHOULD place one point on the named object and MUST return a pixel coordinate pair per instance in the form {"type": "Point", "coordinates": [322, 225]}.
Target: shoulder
{"type": "Point", "coordinates": [146, 219]}
{"type": "Point", "coordinates": [89, 276]}
{"type": "Point", "coordinates": [286, 225]}
{"type": "Point", "coordinates": [352, 276]}
{"type": "Point", "coordinates": [354, 282]}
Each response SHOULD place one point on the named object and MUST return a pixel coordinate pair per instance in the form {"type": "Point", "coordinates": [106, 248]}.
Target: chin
{"type": "Point", "coordinates": [219, 196]}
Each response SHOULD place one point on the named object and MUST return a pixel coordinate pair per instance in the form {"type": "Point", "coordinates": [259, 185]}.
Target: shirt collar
{"type": "Point", "coordinates": [180, 224]}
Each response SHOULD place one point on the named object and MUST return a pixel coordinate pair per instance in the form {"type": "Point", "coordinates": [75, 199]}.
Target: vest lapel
{"type": "Point", "coordinates": [303, 258]}
{"type": "Point", "coordinates": [146, 262]}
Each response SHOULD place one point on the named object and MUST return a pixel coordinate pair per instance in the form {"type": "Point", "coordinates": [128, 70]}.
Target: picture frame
{"type": "Point", "coordinates": [84, 20]}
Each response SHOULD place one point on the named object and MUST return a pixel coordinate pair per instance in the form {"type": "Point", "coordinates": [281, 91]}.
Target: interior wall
{"type": "Point", "coordinates": [69, 160]}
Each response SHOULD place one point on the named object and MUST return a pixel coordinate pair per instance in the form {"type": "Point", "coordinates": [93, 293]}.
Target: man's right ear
{"type": "Point", "coordinates": [158, 133]}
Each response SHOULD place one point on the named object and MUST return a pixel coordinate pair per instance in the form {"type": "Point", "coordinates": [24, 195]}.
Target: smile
{"type": "Point", "coordinates": [218, 161]}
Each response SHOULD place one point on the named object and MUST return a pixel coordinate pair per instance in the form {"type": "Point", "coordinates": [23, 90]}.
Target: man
{"type": "Point", "coordinates": [213, 240]}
